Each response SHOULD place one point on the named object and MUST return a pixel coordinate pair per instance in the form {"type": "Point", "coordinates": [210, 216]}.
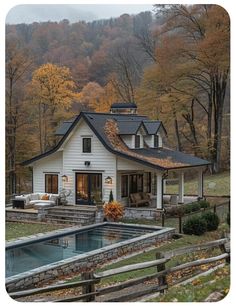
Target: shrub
{"type": "Point", "coordinates": [176, 211]}
{"type": "Point", "coordinates": [111, 198]}
{"type": "Point", "coordinates": [195, 226]}
{"type": "Point", "coordinates": [113, 210]}
{"type": "Point", "coordinates": [196, 206]}
{"type": "Point", "coordinates": [188, 209]}
{"type": "Point", "coordinates": [204, 204]}
{"type": "Point", "coordinates": [212, 220]}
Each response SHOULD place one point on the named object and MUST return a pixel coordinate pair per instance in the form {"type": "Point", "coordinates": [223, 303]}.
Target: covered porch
{"type": "Point", "coordinates": [153, 185]}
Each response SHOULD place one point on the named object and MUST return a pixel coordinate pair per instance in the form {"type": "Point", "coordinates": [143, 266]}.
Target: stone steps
{"type": "Point", "coordinates": [71, 215]}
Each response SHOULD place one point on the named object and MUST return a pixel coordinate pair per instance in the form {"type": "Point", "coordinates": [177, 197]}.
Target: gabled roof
{"type": "Point", "coordinates": [106, 128]}
{"type": "Point", "coordinates": [153, 126]}
{"type": "Point", "coordinates": [64, 127]}
{"type": "Point", "coordinates": [130, 127]}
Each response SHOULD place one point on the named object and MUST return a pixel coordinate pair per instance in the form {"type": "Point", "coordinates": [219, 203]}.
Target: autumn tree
{"type": "Point", "coordinates": [193, 57]}
{"type": "Point", "coordinates": [52, 90]}
{"type": "Point", "coordinates": [127, 69]}
{"type": "Point", "coordinates": [98, 98]}
{"type": "Point", "coordinates": [18, 63]}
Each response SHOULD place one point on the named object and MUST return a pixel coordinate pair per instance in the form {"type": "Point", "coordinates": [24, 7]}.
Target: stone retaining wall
{"type": "Point", "coordinates": [88, 261]}
{"type": "Point", "coordinates": [16, 215]}
{"type": "Point", "coordinates": [141, 213]}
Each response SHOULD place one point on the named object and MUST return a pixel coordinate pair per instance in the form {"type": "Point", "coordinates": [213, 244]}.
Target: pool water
{"type": "Point", "coordinates": [36, 254]}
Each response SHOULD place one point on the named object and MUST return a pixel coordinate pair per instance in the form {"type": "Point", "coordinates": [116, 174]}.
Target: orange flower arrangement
{"type": "Point", "coordinates": [113, 210]}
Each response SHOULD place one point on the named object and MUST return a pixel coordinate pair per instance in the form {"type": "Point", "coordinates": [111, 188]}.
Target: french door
{"type": "Point", "coordinates": [88, 188]}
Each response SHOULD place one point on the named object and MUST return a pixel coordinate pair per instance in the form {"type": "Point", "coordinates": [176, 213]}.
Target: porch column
{"type": "Point", "coordinates": [181, 187]}
{"type": "Point", "coordinates": [159, 191]}
{"type": "Point", "coordinates": [200, 183]}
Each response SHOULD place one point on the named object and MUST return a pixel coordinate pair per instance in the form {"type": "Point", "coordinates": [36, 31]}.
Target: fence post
{"type": "Point", "coordinates": [89, 288]}
{"type": "Point", "coordinates": [215, 209]}
{"type": "Point", "coordinates": [180, 224]}
{"type": "Point", "coordinates": [161, 279]}
{"type": "Point", "coordinates": [162, 219]}
{"type": "Point", "coordinates": [224, 250]}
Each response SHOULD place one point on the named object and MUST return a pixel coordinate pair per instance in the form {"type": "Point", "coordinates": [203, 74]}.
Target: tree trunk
{"type": "Point", "coordinates": [179, 146]}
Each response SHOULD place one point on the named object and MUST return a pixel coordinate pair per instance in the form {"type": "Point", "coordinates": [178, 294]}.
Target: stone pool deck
{"type": "Point", "coordinates": [83, 262]}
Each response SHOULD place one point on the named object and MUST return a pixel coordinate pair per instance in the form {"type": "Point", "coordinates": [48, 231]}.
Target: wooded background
{"type": "Point", "coordinates": [174, 63]}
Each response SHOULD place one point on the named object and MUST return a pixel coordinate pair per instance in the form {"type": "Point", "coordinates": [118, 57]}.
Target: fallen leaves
{"type": "Point", "coordinates": [112, 133]}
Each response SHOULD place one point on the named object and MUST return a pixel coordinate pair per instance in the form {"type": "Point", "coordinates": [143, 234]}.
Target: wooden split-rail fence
{"type": "Point", "coordinates": [90, 280]}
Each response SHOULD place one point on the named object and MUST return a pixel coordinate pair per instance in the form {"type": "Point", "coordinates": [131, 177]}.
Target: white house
{"type": "Point", "coordinates": [119, 151]}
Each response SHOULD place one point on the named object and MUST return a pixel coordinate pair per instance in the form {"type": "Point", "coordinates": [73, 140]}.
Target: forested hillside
{"type": "Point", "coordinates": [174, 64]}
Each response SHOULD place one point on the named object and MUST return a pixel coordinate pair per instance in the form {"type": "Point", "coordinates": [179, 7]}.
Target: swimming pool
{"type": "Point", "coordinates": [25, 257]}
{"type": "Point", "coordinates": [34, 260]}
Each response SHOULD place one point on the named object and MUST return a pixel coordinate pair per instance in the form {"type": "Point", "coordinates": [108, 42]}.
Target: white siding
{"type": "Point", "coordinates": [124, 164]}
{"type": "Point", "coordinates": [101, 161]}
{"type": "Point", "coordinates": [160, 140]}
{"type": "Point", "coordinates": [128, 140]}
{"type": "Point", "coordinates": [50, 164]}
{"type": "Point", "coordinates": [149, 140]}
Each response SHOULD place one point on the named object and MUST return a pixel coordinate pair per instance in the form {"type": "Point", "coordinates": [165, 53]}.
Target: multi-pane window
{"type": "Point", "coordinates": [135, 183]}
{"type": "Point", "coordinates": [137, 141]}
{"type": "Point", "coordinates": [156, 141]}
{"type": "Point", "coordinates": [86, 145]}
{"type": "Point", "coordinates": [51, 183]}
{"type": "Point", "coordinates": [147, 182]}
{"type": "Point", "coordinates": [124, 186]}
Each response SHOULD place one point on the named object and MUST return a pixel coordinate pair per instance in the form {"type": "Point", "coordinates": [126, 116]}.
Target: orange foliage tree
{"type": "Point", "coordinates": [113, 210]}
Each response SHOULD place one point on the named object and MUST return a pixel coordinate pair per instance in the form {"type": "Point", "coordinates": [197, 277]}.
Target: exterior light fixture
{"type": "Point", "coordinates": [64, 178]}
{"type": "Point", "coordinates": [108, 180]}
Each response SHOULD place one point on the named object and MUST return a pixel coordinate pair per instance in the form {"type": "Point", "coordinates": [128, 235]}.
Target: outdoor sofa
{"type": "Point", "coordinates": [35, 200]}
{"type": "Point", "coordinates": [139, 199]}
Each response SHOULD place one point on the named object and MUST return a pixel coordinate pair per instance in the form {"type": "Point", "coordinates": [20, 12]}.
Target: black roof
{"type": "Point", "coordinates": [173, 156]}
{"type": "Point", "coordinates": [64, 127]}
{"type": "Point", "coordinates": [159, 159]}
{"type": "Point", "coordinates": [153, 126]}
{"type": "Point", "coordinates": [123, 105]}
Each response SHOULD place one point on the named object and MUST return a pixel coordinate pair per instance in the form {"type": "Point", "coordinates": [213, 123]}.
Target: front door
{"type": "Point", "coordinates": [88, 188]}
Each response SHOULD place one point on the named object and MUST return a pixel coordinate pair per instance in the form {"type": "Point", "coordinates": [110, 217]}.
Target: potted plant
{"type": "Point", "coordinates": [113, 211]}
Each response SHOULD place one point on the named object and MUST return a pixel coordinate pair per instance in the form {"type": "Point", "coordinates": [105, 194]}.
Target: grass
{"type": "Point", "coordinates": [186, 240]}
{"type": "Point", "coordinates": [16, 229]}
{"type": "Point", "coordinates": [199, 289]}
{"type": "Point", "coordinates": [221, 181]}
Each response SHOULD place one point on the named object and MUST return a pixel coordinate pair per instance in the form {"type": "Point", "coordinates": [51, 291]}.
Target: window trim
{"type": "Point", "coordinates": [49, 190]}
{"type": "Point", "coordinates": [126, 187]}
{"type": "Point", "coordinates": [83, 144]}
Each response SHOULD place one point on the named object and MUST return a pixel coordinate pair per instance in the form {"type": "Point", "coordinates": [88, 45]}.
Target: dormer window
{"type": "Point", "coordinates": [86, 145]}
{"type": "Point", "coordinates": [137, 142]}
{"type": "Point", "coordinates": [156, 141]}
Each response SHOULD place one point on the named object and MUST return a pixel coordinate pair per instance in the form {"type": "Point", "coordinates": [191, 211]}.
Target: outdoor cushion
{"type": "Point", "coordinates": [34, 196]}
{"type": "Point", "coordinates": [45, 197]}
{"type": "Point", "coordinates": [137, 197]}
{"type": "Point", "coordinates": [42, 201]}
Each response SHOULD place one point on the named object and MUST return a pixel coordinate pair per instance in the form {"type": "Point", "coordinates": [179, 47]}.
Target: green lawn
{"type": "Point", "coordinates": [199, 289]}
{"type": "Point", "coordinates": [186, 240]}
{"type": "Point", "coordinates": [15, 230]}
{"type": "Point", "coordinates": [221, 181]}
